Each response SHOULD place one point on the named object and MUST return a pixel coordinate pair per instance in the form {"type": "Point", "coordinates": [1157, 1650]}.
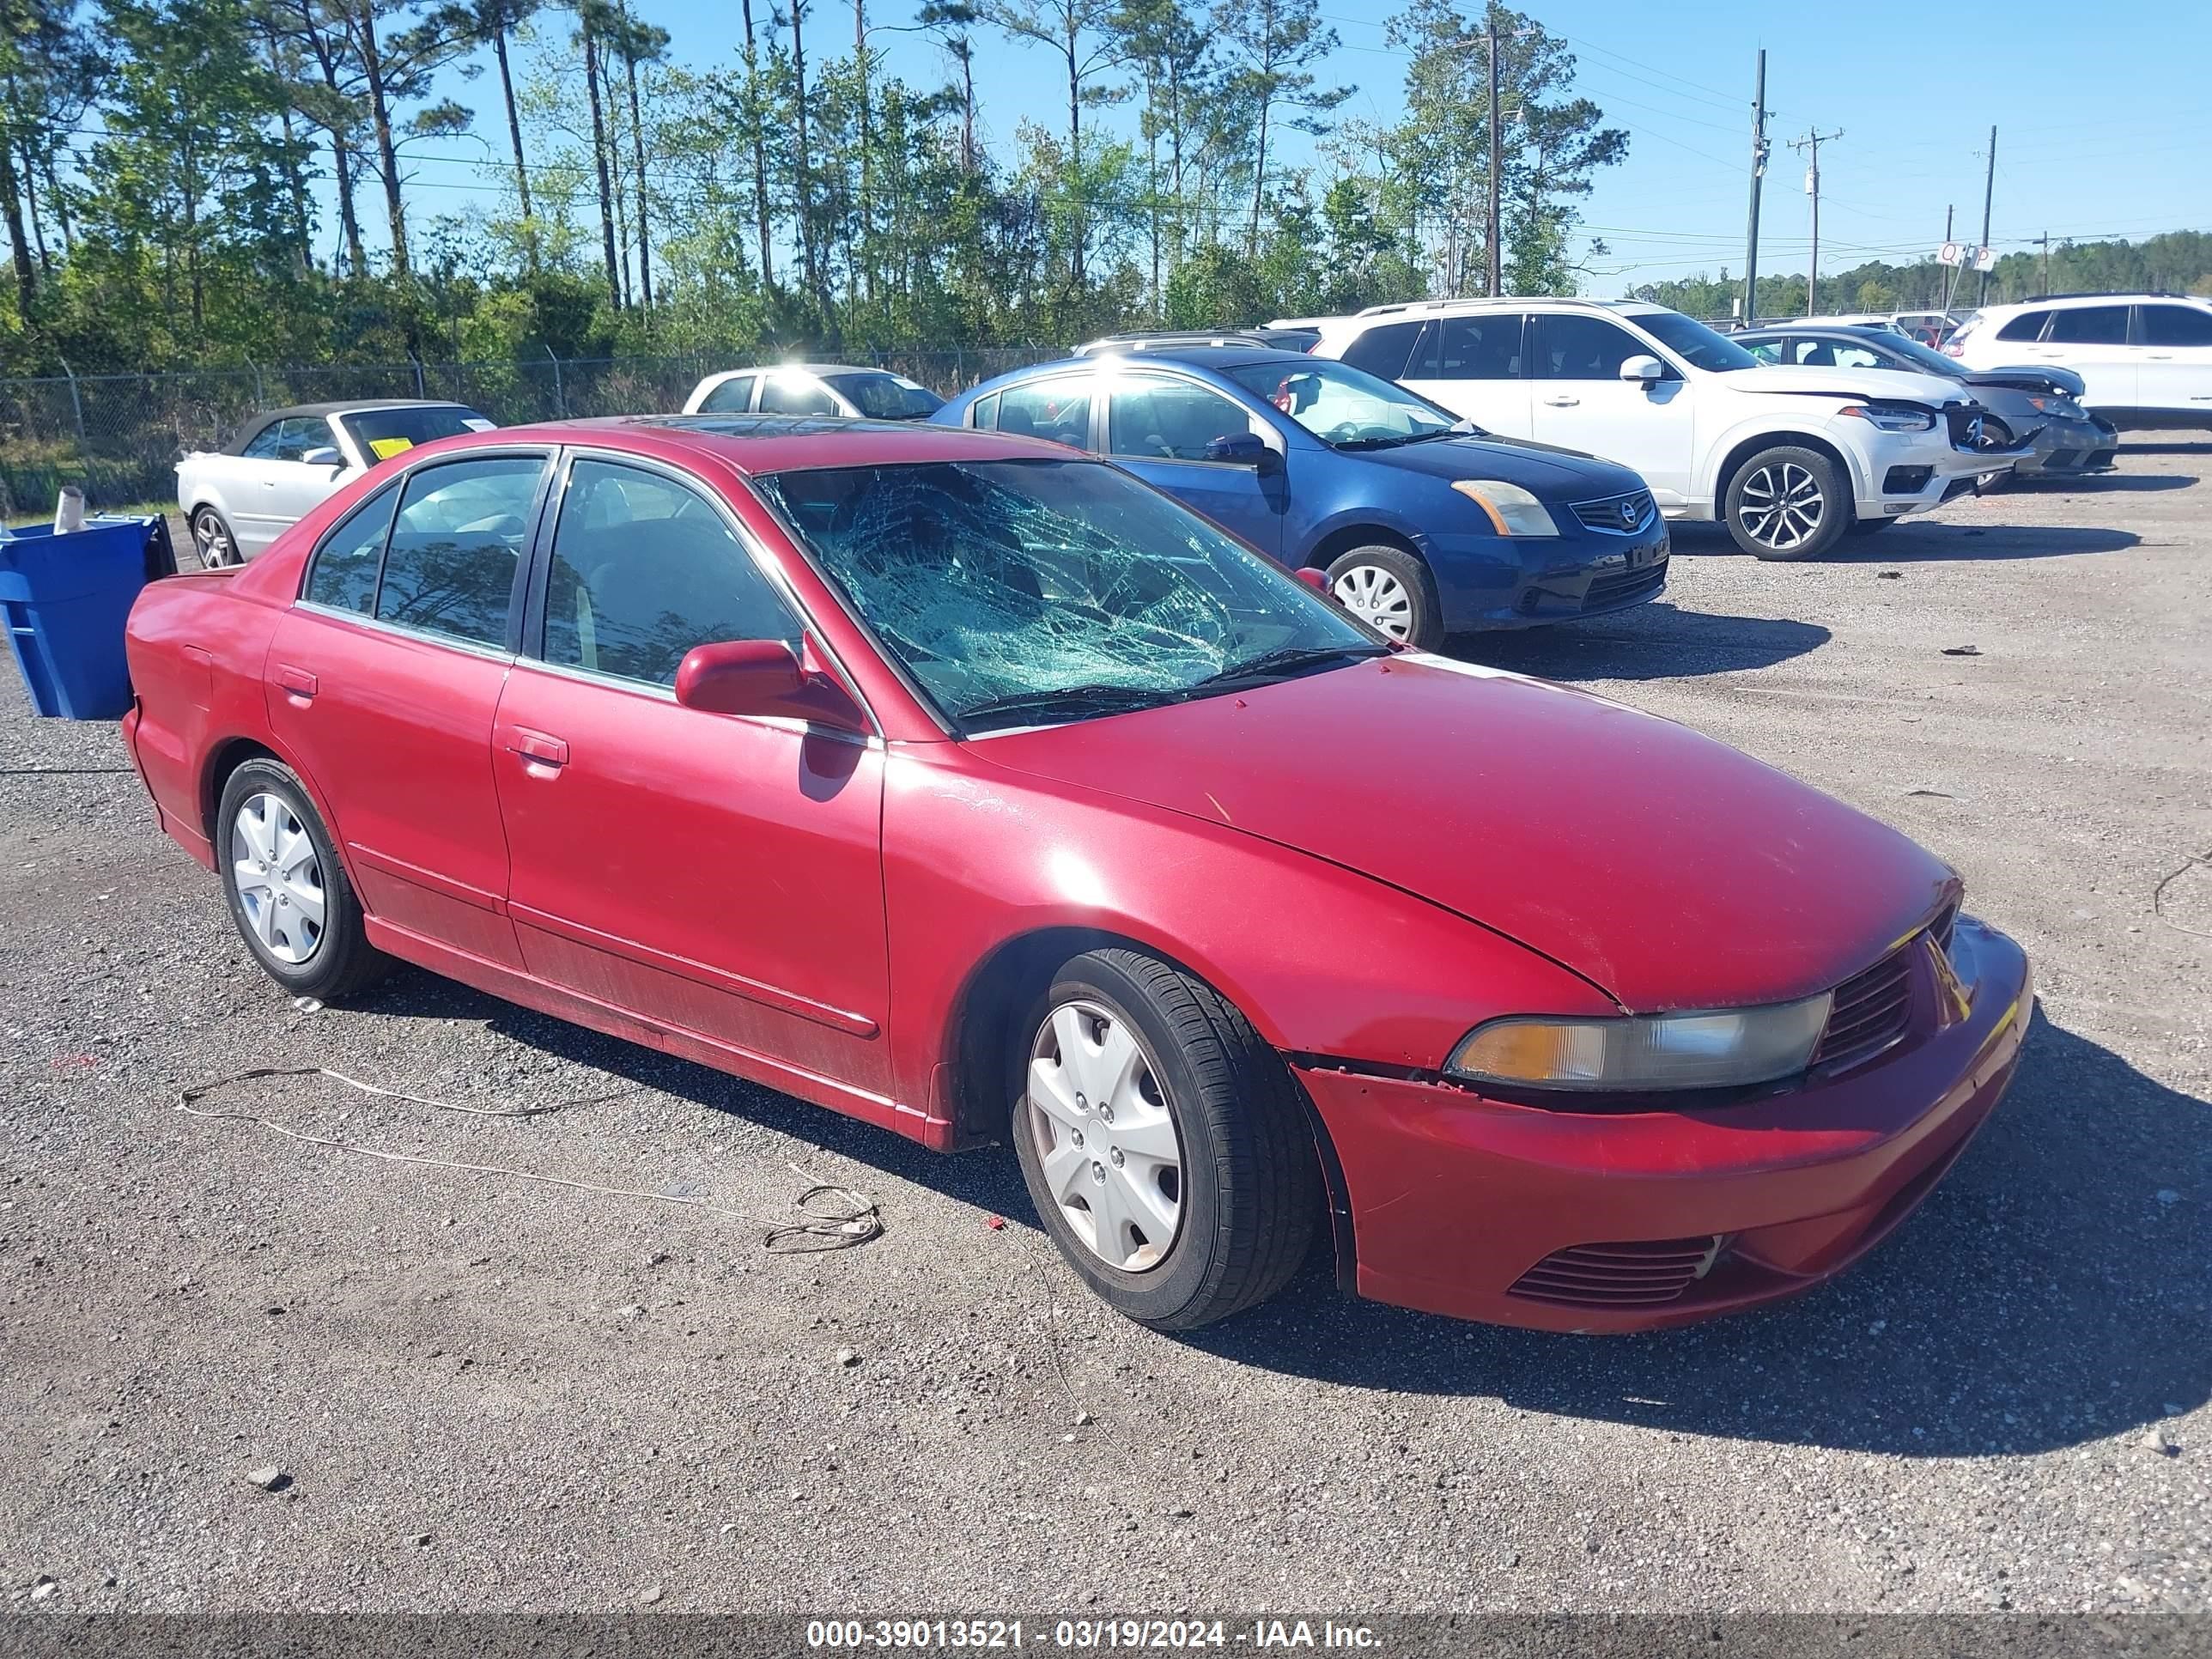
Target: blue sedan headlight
{"type": "Point", "coordinates": [1511, 510]}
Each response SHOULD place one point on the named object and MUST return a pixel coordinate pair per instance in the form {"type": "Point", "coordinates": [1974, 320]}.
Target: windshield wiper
{"type": "Point", "coordinates": [1393, 439]}
{"type": "Point", "coordinates": [1288, 659]}
{"type": "Point", "coordinates": [1078, 699]}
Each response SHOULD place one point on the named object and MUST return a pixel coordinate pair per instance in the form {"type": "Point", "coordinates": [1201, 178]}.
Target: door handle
{"type": "Point", "coordinates": [2162, 356]}
{"type": "Point", "coordinates": [1562, 403]}
{"type": "Point", "coordinates": [297, 683]}
{"type": "Point", "coordinates": [538, 748]}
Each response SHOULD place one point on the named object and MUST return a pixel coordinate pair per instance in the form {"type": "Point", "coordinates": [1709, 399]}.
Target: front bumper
{"type": "Point", "coordinates": [1904, 472]}
{"type": "Point", "coordinates": [1459, 1204]}
{"type": "Point", "coordinates": [2069, 448]}
{"type": "Point", "coordinates": [1485, 583]}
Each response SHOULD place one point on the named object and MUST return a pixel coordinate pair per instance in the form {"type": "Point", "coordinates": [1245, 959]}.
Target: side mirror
{"type": "Point", "coordinates": [323, 455]}
{"type": "Point", "coordinates": [766, 676]}
{"type": "Point", "coordinates": [1643, 369]}
{"type": "Point", "coordinates": [1241, 449]}
{"type": "Point", "coordinates": [1316, 579]}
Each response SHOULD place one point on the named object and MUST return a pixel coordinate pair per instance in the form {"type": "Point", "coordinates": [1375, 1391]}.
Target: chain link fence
{"type": "Point", "coordinates": [119, 436]}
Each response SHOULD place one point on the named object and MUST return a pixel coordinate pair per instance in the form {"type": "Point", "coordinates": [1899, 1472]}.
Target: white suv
{"type": "Point", "coordinates": [1791, 459]}
{"type": "Point", "coordinates": [2145, 359]}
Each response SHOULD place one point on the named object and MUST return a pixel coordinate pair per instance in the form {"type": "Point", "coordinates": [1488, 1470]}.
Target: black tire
{"type": "Point", "coordinates": [1248, 1185]}
{"type": "Point", "coordinates": [1420, 621]}
{"type": "Point", "coordinates": [1995, 435]}
{"type": "Point", "coordinates": [213, 542]}
{"type": "Point", "coordinates": [1780, 474]}
{"type": "Point", "coordinates": [1868, 526]}
{"type": "Point", "coordinates": [340, 959]}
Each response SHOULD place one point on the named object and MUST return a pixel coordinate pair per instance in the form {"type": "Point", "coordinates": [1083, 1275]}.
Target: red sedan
{"type": "Point", "coordinates": [970, 786]}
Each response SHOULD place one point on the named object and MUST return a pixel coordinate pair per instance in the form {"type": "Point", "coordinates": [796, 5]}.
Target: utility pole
{"type": "Point", "coordinates": [1759, 150]}
{"type": "Point", "coordinates": [1489, 232]}
{"type": "Point", "coordinates": [1950, 272]}
{"type": "Point", "coordinates": [2044, 286]}
{"type": "Point", "coordinates": [1811, 144]}
{"type": "Point", "coordinates": [1989, 192]}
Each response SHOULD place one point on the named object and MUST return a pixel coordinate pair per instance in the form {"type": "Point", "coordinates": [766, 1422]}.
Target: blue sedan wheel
{"type": "Point", "coordinates": [1389, 590]}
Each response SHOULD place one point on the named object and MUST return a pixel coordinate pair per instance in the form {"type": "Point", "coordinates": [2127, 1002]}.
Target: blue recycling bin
{"type": "Point", "coordinates": [64, 600]}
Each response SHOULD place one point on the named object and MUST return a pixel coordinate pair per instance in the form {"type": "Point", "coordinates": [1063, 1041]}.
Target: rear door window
{"type": "Point", "coordinates": [732, 396]}
{"type": "Point", "coordinates": [1058, 409]}
{"type": "Point", "coordinates": [1486, 348]}
{"type": "Point", "coordinates": [795, 394]}
{"type": "Point", "coordinates": [456, 545]}
{"type": "Point", "coordinates": [2090, 325]}
{"type": "Point", "coordinates": [1385, 350]}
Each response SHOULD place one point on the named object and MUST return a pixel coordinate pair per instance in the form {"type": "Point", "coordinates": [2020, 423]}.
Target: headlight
{"type": "Point", "coordinates": [2057, 406]}
{"type": "Point", "coordinates": [1721, 1050]}
{"type": "Point", "coordinates": [1893, 417]}
{"type": "Point", "coordinates": [1511, 510]}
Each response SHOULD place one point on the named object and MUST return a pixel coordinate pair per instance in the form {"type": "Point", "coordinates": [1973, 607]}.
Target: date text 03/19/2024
{"type": "Point", "coordinates": [1111, 1635]}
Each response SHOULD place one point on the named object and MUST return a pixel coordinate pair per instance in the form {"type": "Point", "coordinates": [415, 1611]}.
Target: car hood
{"type": "Point", "coordinates": [1891, 384]}
{"type": "Point", "coordinates": [1669, 870]}
{"type": "Point", "coordinates": [1546, 471]}
{"type": "Point", "coordinates": [2028, 377]}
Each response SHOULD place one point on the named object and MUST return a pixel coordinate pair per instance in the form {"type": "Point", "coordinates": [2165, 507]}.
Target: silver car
{"type": "Point", "coordinates": [2035, 405]}
{"type": "Point", "coordinates": [282, 465]}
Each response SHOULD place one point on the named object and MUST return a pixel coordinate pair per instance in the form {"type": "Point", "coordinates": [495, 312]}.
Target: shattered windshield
{"type": "Point", "coordinates": [1344, 406]}
{"type": "Point", "coordinates": [1032, 592]}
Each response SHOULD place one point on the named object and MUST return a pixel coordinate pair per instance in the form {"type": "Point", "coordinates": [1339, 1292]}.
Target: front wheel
{"type": "Point", "coordinates": [1391, 591]}
{"type": "Point", "coordinates": [1788, 502]}
{"type": "Point", "coordinates": [1994, 435]}
{"type": "Point", "coordinates": [1162, 1141]}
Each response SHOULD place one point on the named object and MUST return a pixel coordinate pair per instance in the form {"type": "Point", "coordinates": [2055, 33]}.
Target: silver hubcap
{"type": "Point", "coordinates": [1783, 506]}
{"type": "Point", "coordinates": [214, 544]}
{"type": "Point", "coordinates": [1104, 1136]}
{"type": "Point", "coordinates": [1377, 599]}
{"type": "Point", "coordinates": [279, 879]}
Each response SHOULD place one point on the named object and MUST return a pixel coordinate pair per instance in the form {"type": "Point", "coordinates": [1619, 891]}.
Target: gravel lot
{"type": "Point", "coordinates": [486, 1393]}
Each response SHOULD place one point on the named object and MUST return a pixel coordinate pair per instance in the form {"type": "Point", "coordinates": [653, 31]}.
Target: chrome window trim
{"type": "Point", "coordinates": [399, 630]}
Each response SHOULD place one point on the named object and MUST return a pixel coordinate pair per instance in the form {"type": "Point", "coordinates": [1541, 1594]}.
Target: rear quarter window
{"type": "Point", "coordinates": [2028, 325]}
{"type": "Point", "coordinates": [344, 571]}
{"type": "Point", "coordinates": [1384, 350]}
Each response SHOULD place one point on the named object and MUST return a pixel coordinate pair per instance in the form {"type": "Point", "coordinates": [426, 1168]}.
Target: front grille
{"type": "Point", "coordinates": [1640, 1274]}
{"type": "Point", "coordinates": [1907, 480]}
{"type": "Point", "coordinates": [1622, 514]}
{"type": "Point", "coordinates": [1870, 1012]}
{"type": "Point", "coordinates": [1623, 587]}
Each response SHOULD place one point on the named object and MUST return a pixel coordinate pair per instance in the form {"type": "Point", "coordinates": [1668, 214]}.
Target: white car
{"type": "Point", "coordinates": [1789, 459]}
{"type": "Point", "coordinates": [282, 465]}
{"type": "Point", "coordinates": [874, 394]}
{"type": "Point", "coordinates": [2145, 359]}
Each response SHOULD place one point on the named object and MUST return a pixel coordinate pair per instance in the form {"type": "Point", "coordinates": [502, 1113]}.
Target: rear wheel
{"type": "Point", "coordinates": [1788, 502]}
{"type": "Point", "coordinates": [212, 540]}
{"type": "Point", "coordinates": [1162, 1141]}
{"type": "Point", "coordinates": [287, 892]}
{"type": "Point", "coordinates": [1391, 591]}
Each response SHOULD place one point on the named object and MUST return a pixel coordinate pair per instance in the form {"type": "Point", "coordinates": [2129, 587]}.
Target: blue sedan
{"type": "Point", "coordinates": [1424, 526]}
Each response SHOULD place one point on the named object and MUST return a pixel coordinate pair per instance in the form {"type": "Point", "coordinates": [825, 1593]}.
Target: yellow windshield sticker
{"type": "Point", "coordinates": [385, 448]}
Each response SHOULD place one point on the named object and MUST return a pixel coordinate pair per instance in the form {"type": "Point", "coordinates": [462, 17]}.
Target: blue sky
{"type": "Point", "coordinates": [2100, 110]}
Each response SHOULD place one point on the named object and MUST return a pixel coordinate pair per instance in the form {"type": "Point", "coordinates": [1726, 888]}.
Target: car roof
{"type": "Point", "coordinates": [1429, 307]}
{"type": "Point", "coordinates": [1197, 355]}
{"type": "Point", "coordinates": [755, 444]}
{"type": "Point", "coordinates": [803, 368]}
